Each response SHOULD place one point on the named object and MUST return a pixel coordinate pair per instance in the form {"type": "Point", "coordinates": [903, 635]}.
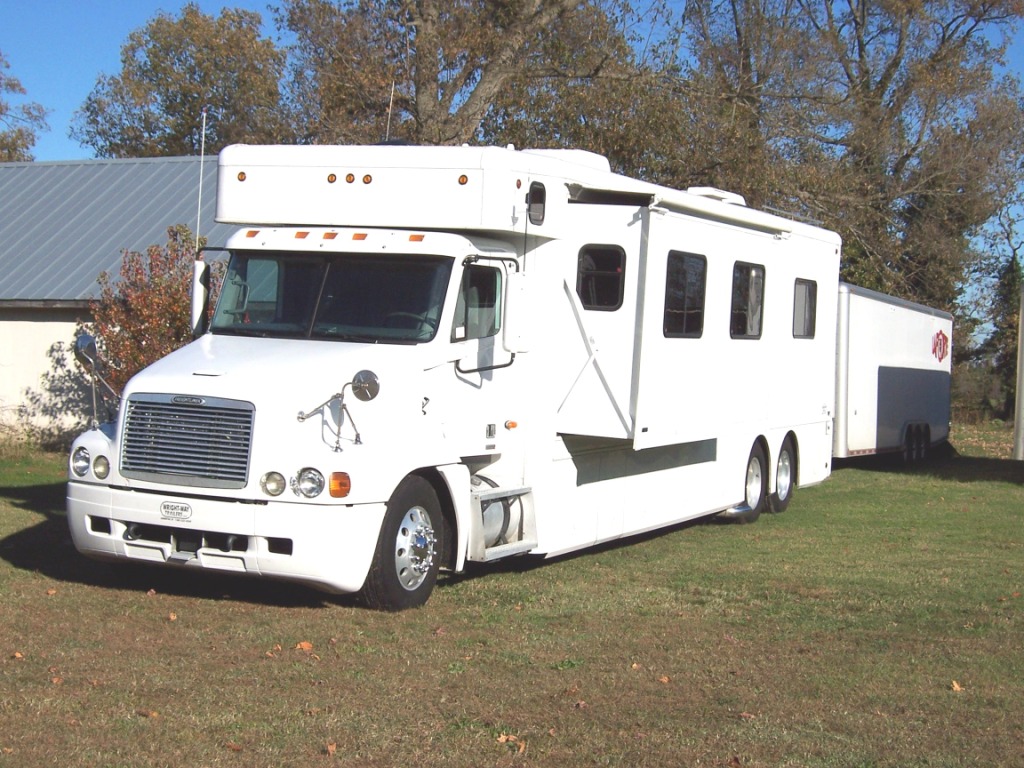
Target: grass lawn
{"type": "Point", "coordinates": [878, 622]}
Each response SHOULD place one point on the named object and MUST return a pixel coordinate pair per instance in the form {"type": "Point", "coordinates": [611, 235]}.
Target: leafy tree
{"type": "Point", "coordinates": [419, 70]}
{"type": "Point", "coordinates": [885, 121]}
{"type": "Point", "coordinates": [145, 314]}
{"type": "Point", "coordinates": [171, 71]}
{"type": "Point", "coordinates": [18, 125]}
{"type": "Point", "coordinates": [1002, 343]}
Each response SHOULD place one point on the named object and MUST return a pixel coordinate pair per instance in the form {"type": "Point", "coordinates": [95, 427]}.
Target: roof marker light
{"type": "Point", "coordinates": [331, 178]}
{"type": "Point", "coordinates": [301, 235]}
{"type": "Point", "coordinates": [330, 235]}
{"type": "Point", "coordinates": [463, 180]}
{"type": "Point", "coordinates": [358, 235]}
{"type": "Point", "coordinates": [252, 233]}
{"type": "Point", "coordinates": [241, 175]}
{"type": "Point", "coordinates": [416, 238]}
{"type": "Point", "coordinates": [367, 179]}
{"type": "Point", "coordinates": [350, 177]}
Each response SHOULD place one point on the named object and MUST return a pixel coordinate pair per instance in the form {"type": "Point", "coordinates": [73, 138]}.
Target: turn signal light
{"type": "Point", "coordinates": [341, 484]}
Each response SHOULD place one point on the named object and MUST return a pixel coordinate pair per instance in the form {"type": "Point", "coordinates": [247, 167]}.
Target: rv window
{"type": "Point", "coordinates": [805, 306]}
{"type": "Point", "coordinates": [747, 301]}
{"type": "Point", "coordinates": [684, 295]}
{"type": "Point", "coordinates": [600, 273]}
{"type": "Point", "coordinates": [478, 307]}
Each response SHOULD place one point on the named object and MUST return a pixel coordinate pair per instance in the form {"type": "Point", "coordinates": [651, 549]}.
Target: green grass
{"type": "Point", "coordinates": [878, 622]}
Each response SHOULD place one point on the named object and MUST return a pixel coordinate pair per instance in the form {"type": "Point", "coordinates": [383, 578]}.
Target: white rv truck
{"type": "Point", "coordinates": [423, 357]}
{"type": "Point", "coordinates": [893, 366]}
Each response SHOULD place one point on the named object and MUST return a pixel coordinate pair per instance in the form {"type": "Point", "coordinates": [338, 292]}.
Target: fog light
{"type": "Point", "coordinates": [101, 467]}
{"type": "Point", "coordinates": [273, 483]}
{"type": "Point", "coordinates": [309, 483]}
{"type": "Point", "coordinates": [80, 461]}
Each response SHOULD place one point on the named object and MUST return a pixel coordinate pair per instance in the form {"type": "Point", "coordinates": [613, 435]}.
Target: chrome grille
{"type": "Point", "coordinates": [202, 442]}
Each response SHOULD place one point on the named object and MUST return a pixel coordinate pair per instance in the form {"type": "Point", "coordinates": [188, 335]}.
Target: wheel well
{"type": "Point", "coordinates": [447, 510]}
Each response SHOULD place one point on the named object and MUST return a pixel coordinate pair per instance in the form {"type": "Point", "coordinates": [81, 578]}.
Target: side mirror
{"type": "Point", "coordinates": [85, 351]}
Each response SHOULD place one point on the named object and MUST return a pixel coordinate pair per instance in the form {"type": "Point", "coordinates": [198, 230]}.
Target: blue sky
{"type": "Point", "coordinates": [57, 49]}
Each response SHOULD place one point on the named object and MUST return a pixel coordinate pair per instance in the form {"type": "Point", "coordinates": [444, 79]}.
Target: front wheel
{"type": "Point", "coordinates": [405, 565]}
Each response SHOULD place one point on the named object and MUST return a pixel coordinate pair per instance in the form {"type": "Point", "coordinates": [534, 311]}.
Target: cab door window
{"type": "Point", "coordinates": [478, 307]}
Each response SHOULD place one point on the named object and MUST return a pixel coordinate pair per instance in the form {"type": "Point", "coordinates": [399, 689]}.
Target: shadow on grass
{"type": "Point", "coordinates": [945, 464]}
{"type": "Point", "coordinates": [46, 548]}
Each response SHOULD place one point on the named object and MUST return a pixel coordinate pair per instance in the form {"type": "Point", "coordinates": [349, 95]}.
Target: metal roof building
{"type": "Point", "coordinates": [63, 223]}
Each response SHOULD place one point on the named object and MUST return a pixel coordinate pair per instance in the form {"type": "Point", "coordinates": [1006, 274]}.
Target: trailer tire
{"type": "Point", "coordinates": [785, 477]}
{"type": "Point", "coordinates": [409, 549]}
{"type": "Point", "coordinates": [755, 486]}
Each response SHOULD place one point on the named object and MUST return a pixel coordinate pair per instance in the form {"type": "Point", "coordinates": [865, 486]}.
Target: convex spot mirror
{"type": "Point", "coordinates": [85, 351]}
{"type": "Point", "coordinates": [365, 386]}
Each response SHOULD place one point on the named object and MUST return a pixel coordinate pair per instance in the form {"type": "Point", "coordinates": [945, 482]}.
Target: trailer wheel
{"type": "Point", "coordinates": [755, 486]}
{"type": "Point", "coordinates": [405, 565]}
{"type": "Point", "coordinates": [785, 477]}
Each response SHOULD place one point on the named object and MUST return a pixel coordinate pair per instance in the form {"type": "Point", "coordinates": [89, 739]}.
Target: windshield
{"type": "Point", "coordinates": [344, 297]}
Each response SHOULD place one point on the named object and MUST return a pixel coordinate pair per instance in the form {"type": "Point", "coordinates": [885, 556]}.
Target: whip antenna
{"type": "Point", "coordinates": [202, 159]}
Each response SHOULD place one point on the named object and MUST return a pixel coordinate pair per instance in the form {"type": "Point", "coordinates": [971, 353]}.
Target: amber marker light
{"type": "Point", "coordinates": [330, 235]}
{"type": "Point", "coordinates": [416, 238]}
{"type": "Point", "coordinates": [511, 424]}
{"type": "Point", "coordinates": [241, 175]}
{"type": "Point", "coordinates": [301, 235]}
{"type": "Point", "coordinates": [349, 178]}
{"type": "Point", "coordinates": [463, 180]}
{"type": "Point", "coordinates": [367, 179]}
{"type": "Point", "coordinates": [340, 485]}
{"type": "Point", "coordinates": [358, 235]}
{"type": "Point", "coordinates": [332, 178]}
{"type": "Point", "coordinates": [252, 233]}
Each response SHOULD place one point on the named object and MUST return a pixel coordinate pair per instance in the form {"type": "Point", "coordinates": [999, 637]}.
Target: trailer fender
{"type": "Point", "coordinates": [456, 480]}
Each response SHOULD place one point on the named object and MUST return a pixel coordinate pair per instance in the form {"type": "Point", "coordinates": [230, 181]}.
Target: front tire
{"type": "Point", "coordinates": [408, 555]}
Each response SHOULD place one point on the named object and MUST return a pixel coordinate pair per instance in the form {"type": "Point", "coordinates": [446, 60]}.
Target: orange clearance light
{"type": "Point", "coordinates": [241, 175]}
{"type": "Point", "coordinates": [331, 178]}
{"type": "Point", "coordinates": [350, 177]}
{"type": "Point", "coordinates": [367, 179]}
{"type": "Point", "coordinates": [341, 485]}
{"type": "Point", "coordinates": [463, 180]}
{"type": "Point", "coordinates": [358, 235]}
{"type": "Point", "coordinates": [416, 238]}
{"type": "Point", "coordinates": [301, 235]}
{"type": "Point", "coordinates": [511, 424]}
{"type": "Point", "coordinates": [330, 235]}
{"type": "Point", "coordinates": [252, 233]}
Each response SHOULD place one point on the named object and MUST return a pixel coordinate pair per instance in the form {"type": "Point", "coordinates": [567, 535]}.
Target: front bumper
{"type": "Point", "coordinates": [329, 547]}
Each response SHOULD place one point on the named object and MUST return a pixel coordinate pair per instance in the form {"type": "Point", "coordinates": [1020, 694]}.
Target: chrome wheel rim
{"type": "Point", "coordinates": [754, 484]}
{"type": "Point", "coordinates": [414, 548]}
{"type": "Point", "coordinates": [784, 479]}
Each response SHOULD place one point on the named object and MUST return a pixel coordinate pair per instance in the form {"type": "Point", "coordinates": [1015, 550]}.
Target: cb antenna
{"type": "Point", "coordinates": [202, 159]}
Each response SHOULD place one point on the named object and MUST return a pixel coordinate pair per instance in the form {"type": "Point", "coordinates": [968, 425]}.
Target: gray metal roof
{"type": "Point", "coordinates": [63, 223]}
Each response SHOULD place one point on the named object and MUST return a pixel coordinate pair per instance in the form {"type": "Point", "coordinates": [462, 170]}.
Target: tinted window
{"type": "Point", "coordinates": [478, 308]}
{"type": "Point", "coordinates": [684, 295]}
{"type": "Point", "coordinates": [805, 307]}
{"type": "Point", "coordinates": [600, 277]}
{"type": "Point", "coordinates": [747, 301]}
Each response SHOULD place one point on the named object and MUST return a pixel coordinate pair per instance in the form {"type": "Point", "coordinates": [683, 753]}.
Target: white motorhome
{"type": "Point", "coordinates": [893, 375]}
{"type": "Point", "coordinates": [427, 356]}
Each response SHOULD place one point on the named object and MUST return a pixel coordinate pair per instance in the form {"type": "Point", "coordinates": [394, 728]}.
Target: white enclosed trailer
{"type": "Point", "coordinates": [422, 357]}
{"type": "Point", "coordinates": [893, 369]}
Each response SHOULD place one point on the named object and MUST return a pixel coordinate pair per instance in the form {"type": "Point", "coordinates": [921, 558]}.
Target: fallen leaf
{"type": "Point", "coordinates": [233, 746]}
{"type": "Point", "coordinates": [305, 645]}
{"type": "Point", "coordinates": [151, 592]}
{"type": "Point", "coordinates": [955, 686]}
{"type": "Point", "coordinates": [18, 655]}
{"type": "Point", "coordinates": [747, 716]}
{"type": "Point", "coordinates": [581, 704]}
{"type": "Point", "coordinates": [332, 748]}
{"type": "Point", "coordinates": [172, 616]}
{"type": "Point", "coordinates": [51, 591]}
{"type": "Point", "coordinates": [56, 680]}
{"type": "Point", "coordinates": [150, 713]}
{"type": "Point", "coordinates": [663, 679]}
{"type": "Point", "coordinates": [634, 665]}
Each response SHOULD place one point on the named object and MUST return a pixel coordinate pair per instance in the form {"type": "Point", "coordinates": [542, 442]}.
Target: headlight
{"type": "Point", "coordinates": [309, 483]}
{"type": "Point", "coordinates": [80, 460]}
{"type": "Point", "coordinates": [273, 483]}
{"type": "Point", "coordinates": [101, 467]}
